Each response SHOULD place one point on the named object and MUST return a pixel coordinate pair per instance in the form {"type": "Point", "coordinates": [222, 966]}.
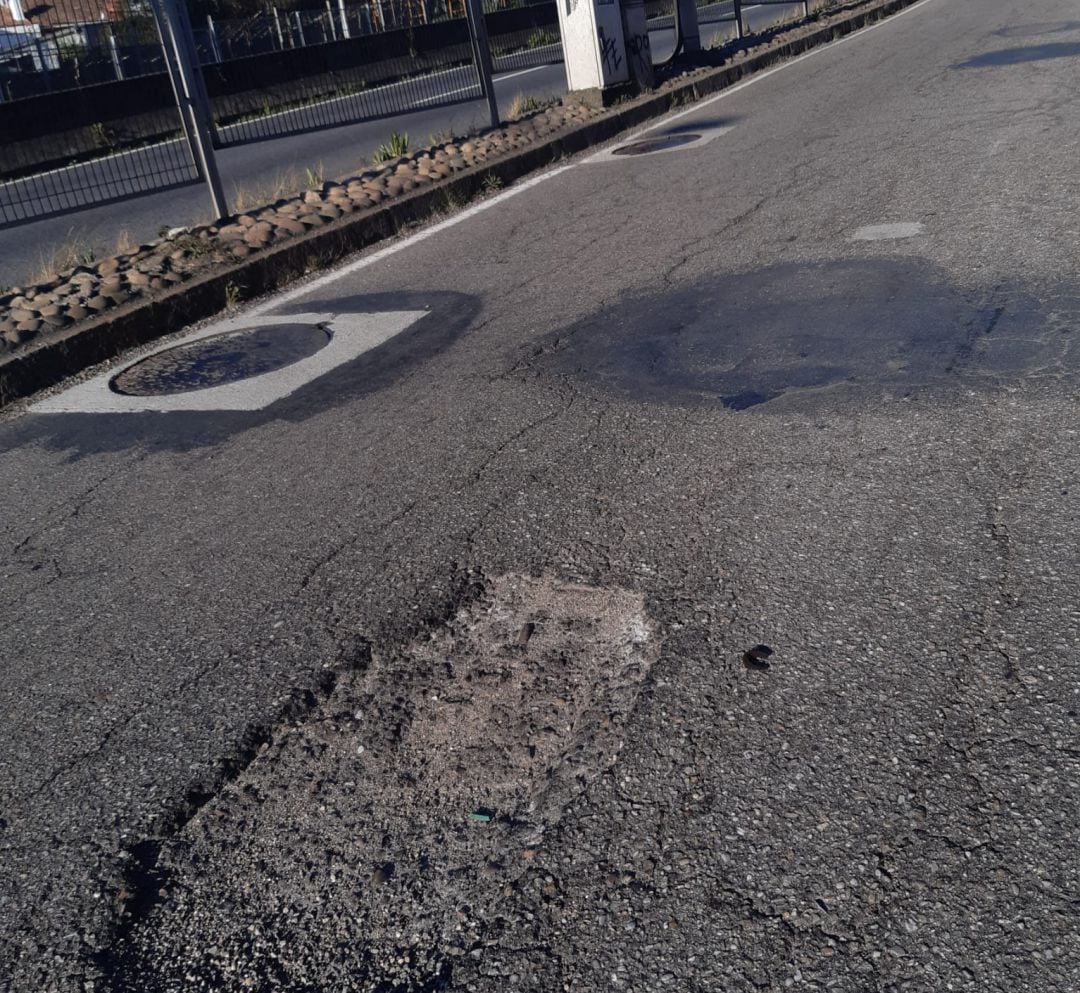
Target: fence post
{"type": "Point", "coordinates": [212, 31]}
{"type": "Point", "coordinates": [114, 54]}
{"type": "Point", "coordinates": [482, 51]}
{"type": "Point", "coordinates": [805, 8]}
{"type": "Point", "coordinates": [344, 20]}
{"type": "Point", "coordinates": [738, 20]}
{"type": "Point", "coordinates": [300, 29]}
{"type": "Point", "coordinates": [191, 100]}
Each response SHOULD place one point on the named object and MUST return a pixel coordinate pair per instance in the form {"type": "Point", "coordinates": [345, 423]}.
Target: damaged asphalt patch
{"type": "Point", "coordinates": [796, 332]}
{"type": "Point", "coordinates": [440, 768]}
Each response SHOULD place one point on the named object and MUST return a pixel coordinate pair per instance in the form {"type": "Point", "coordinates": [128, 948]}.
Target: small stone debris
{"type": "Point", "coordinates": [757, 657]}
{"type": "Point", "coordinates": [382, 874]}
{"type": "Point", "coordinates": [482, 815]}
{"type": "Point", "coordinates": [525, 633]}
{"type": "Point", "coordinates": [85, 292]}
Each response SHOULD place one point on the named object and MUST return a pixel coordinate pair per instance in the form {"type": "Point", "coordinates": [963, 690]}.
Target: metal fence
{"type": "Point", "coordinates": [89, 115]}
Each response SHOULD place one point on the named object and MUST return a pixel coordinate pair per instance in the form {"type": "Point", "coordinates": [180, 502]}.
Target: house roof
{"type": "Point", "coordinates": [54, 13]}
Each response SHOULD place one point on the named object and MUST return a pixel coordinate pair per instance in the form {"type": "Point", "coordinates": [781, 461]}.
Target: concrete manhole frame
{"type": "Point", "coordinates": [620, 152]}
{"type": "Point", "coordinates": [350, 336]}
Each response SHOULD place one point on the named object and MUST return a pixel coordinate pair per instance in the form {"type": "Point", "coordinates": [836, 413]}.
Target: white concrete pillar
{"type": "Point", "coordinates": [594, 48]}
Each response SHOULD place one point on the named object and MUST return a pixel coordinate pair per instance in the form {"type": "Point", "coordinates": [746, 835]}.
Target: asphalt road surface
{"type": "Point", "coordinates": [669, 582]}
{"type": "Point", "coordinates": [263, 171]}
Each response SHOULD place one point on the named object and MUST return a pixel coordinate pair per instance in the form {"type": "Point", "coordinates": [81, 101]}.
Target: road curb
{"type": "Point", "coordinates": [66, 353]}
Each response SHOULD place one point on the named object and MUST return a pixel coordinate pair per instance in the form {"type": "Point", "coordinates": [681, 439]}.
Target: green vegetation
{"type": "Point", "coordinates": [542, 37]}
{"type": "Point", "coordinates": [395, 146]}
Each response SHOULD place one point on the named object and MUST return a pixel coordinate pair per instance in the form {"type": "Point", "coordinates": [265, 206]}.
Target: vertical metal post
{"type": "Point", "coordinates": [215, 47]}
{"type": "Point", "coordinates": [277, 29]}
{"type": "Point", "coordinates": [474, 11]}
{"type": "Point", "coordinates": [344, 20]}
{"type": "Point", "coordinates": [330, 21]}
{"type": "Point", "coordinates": [186, 78]}
{"type": "Point", "coordinates": [114, 54]}
{"type": "Point", "coordinates": [738, 20]}
{"type": "Point", "coordinates": [300, 29]}
{"type": "Point", "coordinates": [805, 8]}
{"type": "Point", "coordinates": [688, 25]}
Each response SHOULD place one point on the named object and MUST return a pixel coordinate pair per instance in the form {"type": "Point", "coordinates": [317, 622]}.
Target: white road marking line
{"type": "Point", "coordinates": [888, 232]}
{"type": "Point", "coordinates": [499, 77]}
{"type": "Point", "coordinates": [352, 336]}
{"type": "Point", "coordinates": [450, 93]}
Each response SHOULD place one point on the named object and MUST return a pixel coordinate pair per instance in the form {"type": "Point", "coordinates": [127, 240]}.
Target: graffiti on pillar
{"type": "Point", "coordinates": [637, 46]}
{"type": "Point", "coordinates": [609, 53]}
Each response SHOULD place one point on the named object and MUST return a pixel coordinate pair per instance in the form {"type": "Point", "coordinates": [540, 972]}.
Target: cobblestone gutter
{"type": "Point", "coordinates": [92, 313]}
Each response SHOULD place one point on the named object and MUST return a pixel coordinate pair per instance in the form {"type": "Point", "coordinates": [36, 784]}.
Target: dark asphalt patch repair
{"type": "Point", "coordinates": [790, 332]}
{"type": "Point", "coordinates": [223, 358]}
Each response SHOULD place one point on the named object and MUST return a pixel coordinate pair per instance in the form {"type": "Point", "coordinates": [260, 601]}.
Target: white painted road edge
{"type": "Point", "coordinates": [351, 336]}
{"type": "Point", "coordinates": [81, 398]}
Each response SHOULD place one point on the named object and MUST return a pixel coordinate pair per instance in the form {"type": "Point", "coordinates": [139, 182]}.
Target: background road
{"type": "Point", "coordinates": [710, 391]}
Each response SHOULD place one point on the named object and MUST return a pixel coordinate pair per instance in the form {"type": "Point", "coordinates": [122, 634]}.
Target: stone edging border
{"type": "Point", "coordinates": [68, 351]}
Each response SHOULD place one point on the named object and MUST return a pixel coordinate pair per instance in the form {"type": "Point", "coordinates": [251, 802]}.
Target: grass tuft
{"type": "Point", "coordinates": [523, 104]}
{"type": "Point", "coordinates": [394, 147]}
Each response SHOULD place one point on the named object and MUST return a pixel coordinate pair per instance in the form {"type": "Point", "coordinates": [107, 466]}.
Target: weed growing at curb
{"type": "Point", "coordinates": [232, 296]}
{"type": "Point", "coordinates": [395, 146]}
{"type": "Point", "coordinates": [492, 183]}
{"type": "Point", "coordinates": [522, 105]}
{"type": "Point", "coordinates": [74, 252]}
{"type": "Point", "coordinates": [452, 201]}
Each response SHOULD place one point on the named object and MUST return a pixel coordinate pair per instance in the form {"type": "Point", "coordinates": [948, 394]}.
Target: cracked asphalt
{"type": "Point", "coordinates": [434, 675]}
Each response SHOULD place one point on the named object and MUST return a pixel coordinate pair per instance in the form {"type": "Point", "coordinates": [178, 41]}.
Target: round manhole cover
{"type": "Point", "coordinates": [657, 144]}
{"type": "Point", "coordinates": [220, 359]}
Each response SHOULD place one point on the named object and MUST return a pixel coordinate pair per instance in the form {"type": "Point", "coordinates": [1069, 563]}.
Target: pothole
{"type": "Point", "coordinates": [381, 838]}
{"type": "Point", "coordinates": [664, 143]}
{"type": "Point", "coordinates": [221, 359]}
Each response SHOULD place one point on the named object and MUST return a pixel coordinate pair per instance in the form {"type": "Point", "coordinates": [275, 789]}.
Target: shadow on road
{"type": "Point", "coordinates": [1034, 30]}
{"type": "Point", "coordinates": [1018, 56]}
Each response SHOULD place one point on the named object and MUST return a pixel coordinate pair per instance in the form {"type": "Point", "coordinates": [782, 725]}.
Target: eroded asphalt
{"type": "Point", "coordinates": [439, 673]}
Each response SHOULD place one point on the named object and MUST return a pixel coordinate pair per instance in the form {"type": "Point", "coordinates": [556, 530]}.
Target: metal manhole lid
{"type": "Point", "coordinates": [661, 144]}
{"type": "Point", "coordinates": [220, 359]}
